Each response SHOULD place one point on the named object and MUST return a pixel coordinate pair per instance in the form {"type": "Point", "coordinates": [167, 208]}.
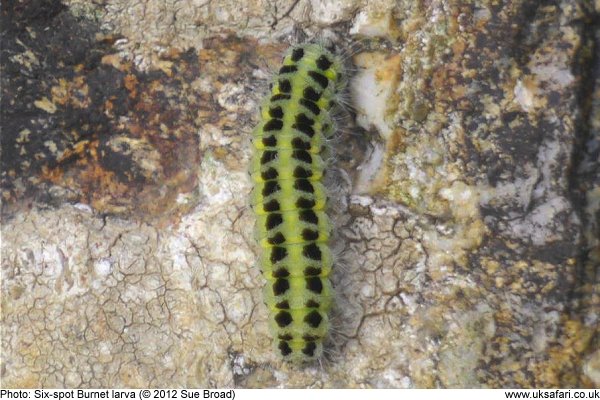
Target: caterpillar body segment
{"type": "Point", "coordinates": [267, 204]}
{"type": "Point", "coordinates": [289, 199]}
{"type": "Point", "coordinates": [287, 233]}
{"type": "Point", "coordinates": [286, 164]}
{"type": "Point", "coordinates": [289, 141]}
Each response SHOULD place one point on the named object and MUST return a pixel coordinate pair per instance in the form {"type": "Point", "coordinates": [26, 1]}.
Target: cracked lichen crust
{"type": "Point", "coordinates": [289, 201]}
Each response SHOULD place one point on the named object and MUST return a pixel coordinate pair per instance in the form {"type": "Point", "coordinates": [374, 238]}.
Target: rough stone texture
{"type": "Point", "coordinates": [467, 237]}
{"type": "Point", "coordinates": [154, 27]}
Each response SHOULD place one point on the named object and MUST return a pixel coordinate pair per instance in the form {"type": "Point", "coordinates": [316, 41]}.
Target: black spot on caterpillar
{"type": "Point", "coordinates": [289, 199]}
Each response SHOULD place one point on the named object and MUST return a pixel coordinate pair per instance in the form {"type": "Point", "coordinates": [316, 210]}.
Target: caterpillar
{"type": "Point", "coordinates": [289, 199]}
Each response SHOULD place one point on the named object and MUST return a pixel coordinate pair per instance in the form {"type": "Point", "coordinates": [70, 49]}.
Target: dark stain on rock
{"type": "Point", "coordinates": [78, 117]}
{"type": "Point", "coordinates": [539, 138]}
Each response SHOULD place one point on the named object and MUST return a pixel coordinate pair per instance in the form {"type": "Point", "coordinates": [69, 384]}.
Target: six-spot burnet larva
{"type": "Point", "coordinates": [289, 199]}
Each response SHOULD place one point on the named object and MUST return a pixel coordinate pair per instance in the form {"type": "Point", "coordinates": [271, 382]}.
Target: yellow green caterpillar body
{"type": "Point", "coordinates": [289, 199]}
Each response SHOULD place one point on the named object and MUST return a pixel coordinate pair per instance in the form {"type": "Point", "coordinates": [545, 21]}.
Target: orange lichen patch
{"type": "Point", "coordinates": [60, 92]}
{"type": "Point", "coordinates": [458, 47]}
{"type": "Point", "coordinates": [166, 67]}
{"type": "Point", "coordinates": [131, 83]}
{"type": "Point", "coordinates": [74, 92]}
{"type": "Point", "coordinates": [116, 61]}
{"type": "Point", "coordinates": [45, 104]}
{"type": "Point", "coordinates": [390, 70]}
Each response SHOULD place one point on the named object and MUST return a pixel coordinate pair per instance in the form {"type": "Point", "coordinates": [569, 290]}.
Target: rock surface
{"type": "Point", "coordinates": [466, 194]}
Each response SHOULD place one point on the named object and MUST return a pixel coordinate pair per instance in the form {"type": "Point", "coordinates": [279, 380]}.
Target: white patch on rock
{"type": "Point", "coordinates": [103, 266]}
{"type": "Point", "coordinates": [371, 24]}
{"type": "Point", "coordinates": [364, 201]}
{"type": "Point", "coordinates": [524, 96]}
{"type": "Point", "coordinates": [369, 169]}
{"type": "Point", "coordinates": [370, 94]}
{"type": "Point", "coordinates": [233, 97]}
{"type": "Point", "coordinates": [539, 225]}
{"type": "Point", "coordinates": [327, 12]}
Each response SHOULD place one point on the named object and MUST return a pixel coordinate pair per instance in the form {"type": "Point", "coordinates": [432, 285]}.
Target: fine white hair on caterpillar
{"type": "Point", "coordinates": [290, 201]}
